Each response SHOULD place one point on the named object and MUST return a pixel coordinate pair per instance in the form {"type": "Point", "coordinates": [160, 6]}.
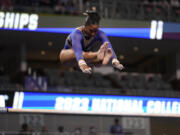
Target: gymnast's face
{"type": "Point", "coordinates": [91, 29]}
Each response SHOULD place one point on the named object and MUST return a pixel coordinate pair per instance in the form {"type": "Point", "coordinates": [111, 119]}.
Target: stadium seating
{"type": "Point", "coordinates": [114, 83]}
{"type": "Point", "coordinates": [116, 9]}
{"type": "Point", "coordinates": [6, 84]}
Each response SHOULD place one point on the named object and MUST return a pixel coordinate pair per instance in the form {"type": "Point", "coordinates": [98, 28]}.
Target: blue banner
{"type": "Point", "coordinates": [98, 104]}
{"type": "Point", "coordinates": [114, 32]}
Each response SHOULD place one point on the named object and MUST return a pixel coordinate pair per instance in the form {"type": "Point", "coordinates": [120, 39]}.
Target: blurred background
{"type": "Point", "coordinates": [145, 35]}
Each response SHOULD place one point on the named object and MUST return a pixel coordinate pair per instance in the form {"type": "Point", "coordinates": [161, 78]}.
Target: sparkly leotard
{"type": "Point", "coordinates": [80, 41]}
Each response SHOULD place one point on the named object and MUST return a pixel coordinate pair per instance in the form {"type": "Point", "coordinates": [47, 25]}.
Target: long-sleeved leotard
{"type": "Point", "coordinates": [80, 41]}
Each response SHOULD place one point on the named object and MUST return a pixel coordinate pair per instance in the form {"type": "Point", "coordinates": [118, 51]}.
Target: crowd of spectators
{"type": "Point", "coordinates": [151, 9]}
{"type": "Point", "coordinates": [49, 6]}
{"type": "Point", "coordinates": [162, 8]}
{"type": "Point", "coordinates": [27, 130]}
{"type": "Point", "coordinates": [114, 129]}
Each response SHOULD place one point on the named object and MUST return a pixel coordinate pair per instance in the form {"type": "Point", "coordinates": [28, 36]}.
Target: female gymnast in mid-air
{"type": "Point", "coordinates": [88, 45]}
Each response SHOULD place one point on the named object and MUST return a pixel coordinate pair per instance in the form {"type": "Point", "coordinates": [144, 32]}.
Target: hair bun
{"type": "Point", "coordinates": [93, 17]}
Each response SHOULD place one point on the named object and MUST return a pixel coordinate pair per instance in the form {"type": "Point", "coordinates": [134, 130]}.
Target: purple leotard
{"type": "Point", "coordinates": [80, 41]}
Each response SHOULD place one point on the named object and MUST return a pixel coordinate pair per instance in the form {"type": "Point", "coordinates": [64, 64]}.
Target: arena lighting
{"type": "Point", "coordinates": [159, 30]}
{"type": "Point", "coordinates": [95, 104]}
{"type": "Point", "coordinates": [156, 31]}
{"type": "Point", "coordinates": [114, 32]}
{"type": "Point", "coordinates": [2, 101]}
{"type": "Point", "coordinates": [153, 29]}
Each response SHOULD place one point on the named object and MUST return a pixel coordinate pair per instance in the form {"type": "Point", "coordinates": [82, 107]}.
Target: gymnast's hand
{"type": "Point", "coordinates": [84, 67]}
{"type": "Point", "coordinates": [116, 64]}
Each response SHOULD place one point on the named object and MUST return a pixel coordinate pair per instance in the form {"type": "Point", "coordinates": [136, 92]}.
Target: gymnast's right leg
{"type": "Point", "coordinates": [67, 56]}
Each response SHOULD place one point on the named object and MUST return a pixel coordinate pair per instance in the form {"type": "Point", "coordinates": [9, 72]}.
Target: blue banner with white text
{"type": "Point", "coordinates": [97, 104]}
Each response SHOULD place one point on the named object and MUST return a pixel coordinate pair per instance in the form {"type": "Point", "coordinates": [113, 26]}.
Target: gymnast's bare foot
{"type": "Point", "coordinates": [107, 57]}
{"type": "Point", "coordinates": [102, 50]}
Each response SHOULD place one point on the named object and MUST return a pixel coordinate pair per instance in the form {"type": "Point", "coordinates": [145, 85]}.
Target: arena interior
{"type": "Point", "coordinates": [41, 96]}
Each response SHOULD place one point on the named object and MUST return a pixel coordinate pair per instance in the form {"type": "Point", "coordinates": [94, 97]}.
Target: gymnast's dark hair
{"type": "Point", "coordinates": [92, 18]}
